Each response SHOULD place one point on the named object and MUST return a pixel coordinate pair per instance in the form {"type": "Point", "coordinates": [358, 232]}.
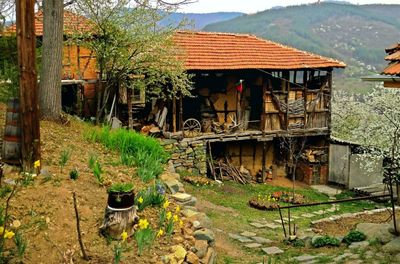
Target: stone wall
{"type": "Point", "coordinates": [190, 157]}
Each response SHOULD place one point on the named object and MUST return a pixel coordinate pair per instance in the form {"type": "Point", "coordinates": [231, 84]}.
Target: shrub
{"type": "Point", "coordinates": [121, 187]}
{"type": "Point", "coordinates": [151, 196]}
{"type": "Point", "coordinates": [64, 157]}
{"type": "Point", "coordinates": [74, 174]}
{"type": "Point", "coordinates": [135, 150]}
{"type": "Point", "coordinates": [324, 241]}
{"type": "Point", "coordinates": [354, 236]}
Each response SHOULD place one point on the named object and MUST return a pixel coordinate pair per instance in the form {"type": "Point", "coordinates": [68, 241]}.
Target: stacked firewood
{"type": "Point", "coordinates": [224, 170]}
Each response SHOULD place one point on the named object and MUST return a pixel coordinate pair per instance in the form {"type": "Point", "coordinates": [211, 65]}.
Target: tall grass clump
{"type": "Point", "coordinates": [135, 149]}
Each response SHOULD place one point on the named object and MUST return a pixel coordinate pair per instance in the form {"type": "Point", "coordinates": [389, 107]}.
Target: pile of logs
{"type": "Point", "coordinates": [223, 170]}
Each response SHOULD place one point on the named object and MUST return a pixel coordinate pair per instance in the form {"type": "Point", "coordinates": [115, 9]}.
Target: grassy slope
{"type": "Point", "coordinates": [228, 207]}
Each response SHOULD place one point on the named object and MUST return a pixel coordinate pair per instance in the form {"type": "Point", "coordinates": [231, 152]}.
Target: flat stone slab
{"type": "Point", "coordinates": [258, 225]}
{"type": "Point", "coordinates": [248, 234]}
{"type": "Point", "coordinates": [253, 245]}
{"type": "Point", "coordinates": [331, 210]}
{"type": "Point", "coordinates": [305, 258]}
{"type": "Point", "coordinates": [360, 245]}
{"type": "Point", "coordinates": [262, 240]}
{"type": "Point", "coordinates": [279, 221]}
{"type": "Point", "coordinates": [320, 212]}
{"type": "Point", "coordinates": [234, 236]}
{"type": "Point", "coordinates": [273, 226]}
{"type": "Point", "coordinates": [272, 250]}
{"type": "Point", "coordinates": [182, 197]}
{"type": "Point", "coordinates": [308, 215]}
{"type": "Point", "coordinates": [189, 213]}
{"type": "Point", "coordinates": [245, 240]}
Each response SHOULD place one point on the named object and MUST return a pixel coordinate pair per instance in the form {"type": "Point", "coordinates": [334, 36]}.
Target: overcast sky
{"type": "Point", "coordinates": [253, 6]}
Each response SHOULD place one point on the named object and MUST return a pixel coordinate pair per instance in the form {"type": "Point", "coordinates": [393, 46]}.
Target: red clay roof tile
{"type": "Point", "coordinates": [72, 23]}
{"type": "Point", "coordinates": [227, 51]}
{"type": "Point", "coordinates": [392, 69]}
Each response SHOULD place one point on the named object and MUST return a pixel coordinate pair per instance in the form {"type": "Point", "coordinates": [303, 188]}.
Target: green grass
{"type": "Point", "coordinates": [230, 212]}
{"type": "Point", "coordinates": [135, 150]}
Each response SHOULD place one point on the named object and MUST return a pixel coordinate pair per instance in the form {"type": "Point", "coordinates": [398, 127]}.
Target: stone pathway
{"type": "Point", "coordinates": [252, 241]}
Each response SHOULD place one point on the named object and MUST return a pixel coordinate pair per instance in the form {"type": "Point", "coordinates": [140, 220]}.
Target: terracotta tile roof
{"type": "Point", "coordinates": [72, 23]}
{"type": "Point", "coordinates": [223, 51]}
{"type": "Point", "coordinates": [394, 57]}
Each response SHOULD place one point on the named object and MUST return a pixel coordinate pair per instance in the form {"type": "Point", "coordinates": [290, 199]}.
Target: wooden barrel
{"type": "Point", "coordinates": [12, 133]}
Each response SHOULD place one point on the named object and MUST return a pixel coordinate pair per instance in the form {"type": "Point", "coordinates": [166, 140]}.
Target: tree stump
{"type": "Point", "coordinates": [117, 221]}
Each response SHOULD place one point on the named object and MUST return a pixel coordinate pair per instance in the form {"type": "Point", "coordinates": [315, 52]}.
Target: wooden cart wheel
{"type": "Point", "coordinates": [191, 128]}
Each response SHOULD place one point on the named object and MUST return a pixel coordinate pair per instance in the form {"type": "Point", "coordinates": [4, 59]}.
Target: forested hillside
{"type": "Point", "coordinates": [356, 34]}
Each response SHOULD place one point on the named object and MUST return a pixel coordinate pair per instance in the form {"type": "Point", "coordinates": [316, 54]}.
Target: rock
{"type": "Point", "coordinates": [245, 240]}
{"type": "Point", "coordinates": [393, 247]}
{"type": "Point", "coordinates": [272, 250]}
{"type": "Point", "coordinates": [210, 256]}
{"type": "Point", "coordinates": [173, 186]}
{"type": "Point", "coordinates": [204, 234]}
{"type": "Point", "coordinates": [189, 212]}
{"type": "Point", "coordinates": [308, 215]}
{"type": "Point", "coordinates": [181, 197]}
{"type": "Point", "coordinates": [258, 225]}
{"type": "Point", "coordinates": [192, 258]}
{"type": "Point", "coordinates": [376, 231]}
{"type": "Point", "coordinates": [261, 240]}
{"type": "Point", "coordinates": [253, 245]}
{"type": "Point", "coordinates": [248, 234]}
{"type": "Point", "coordinates": [305, 258]}
{"type": "Point", "coordinates": [359, 245]}
{"type": "Point", "coordinates": [179, 252]}
{"type": "Point", "coordinates": [196, 225]}
{"type": "Point", "coordinates": [202, 218]}
{"type": "Point", "coordinates": [273, 226]}
{"type": "Point", "coordinates": [16, 223]}
{"type": "Point", "coordinates": [166, 176]}
{"type": "Point", "coordinates": [200, 247]}
{"type": "Point", "coordinates": [191, 202]}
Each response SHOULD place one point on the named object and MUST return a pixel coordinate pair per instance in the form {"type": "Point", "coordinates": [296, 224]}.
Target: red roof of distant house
{"type": "Point", "coordinates": [72, 23]}
{"type": "Point", "coordinates": [227, 51]}
{"type": "Point", "coordinates": [394, 57]}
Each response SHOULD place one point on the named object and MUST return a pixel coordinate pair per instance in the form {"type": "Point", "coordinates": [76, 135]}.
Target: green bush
{"type": "Point", "coordinates": [120, 187]}
{"type": "Point", "coordinates": [74, 174]}
{"type": "Point", "coordinates": [135, 150]}
{"type": "Point", "coordinates": [354, 236]}
{"type": "Point", "coordinates": [325, 241]}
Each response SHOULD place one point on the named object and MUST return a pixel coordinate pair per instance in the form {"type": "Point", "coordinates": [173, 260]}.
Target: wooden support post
{"type": "Point", "coordinates": [264, 169]}
{"type": "Point", "coordinates": [26, 45]}
{"type": "Point", "coordinates": [285, 87]}
{"type": "Point", "coordinates": [129, 103]}
{"type": "Point", "coordinates": [238, 108]}
{"type": "Point", "coordinates": [329, 118]}
{"type": "Point", "coordinates": [181, 112]}
{"type": "Point", "coordinates": [174, 113]}
{"type": "Point", "coordinates": [264, 115]}
{"type": "Point", "coordinates": [226, 111]}
{"type": "Point", "coordinates": [305, 93]}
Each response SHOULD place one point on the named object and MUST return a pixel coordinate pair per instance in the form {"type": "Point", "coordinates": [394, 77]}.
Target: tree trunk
{"type": "Point", "coordinates": [51, 73]}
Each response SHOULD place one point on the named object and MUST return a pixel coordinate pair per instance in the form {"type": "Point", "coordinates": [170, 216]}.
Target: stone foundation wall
{"type": "Point", "coordinates": [190, 157]}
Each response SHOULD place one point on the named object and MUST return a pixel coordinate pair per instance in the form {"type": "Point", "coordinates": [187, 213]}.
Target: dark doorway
{"type": "Point", "coordinates": [256, 106]}
{"type": "Point", "coordinates": [69, 98]}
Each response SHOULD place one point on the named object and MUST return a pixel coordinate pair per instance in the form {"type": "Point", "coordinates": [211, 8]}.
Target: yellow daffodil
{"type": "Point", "coordinates": [143, 223]}
{"type": "Point", "coordinates": [169, 215]}
{"type": "Point", "coordinates": [36, 164]}
{"type": "Point", "coordinates": [124, 236]}
{"type": "Point", "coordinates": [175, 218]}
{"type": "Point", "coordinates": [166, 204]}
{"type": "Point", "coordinates": [140, 199]}
{"type": "Point", "coordinates": [160, 233]}
{"type": "Point", "coordinates": [9, 234]}
{"type": "Point", "coordinates": [1, 230]}
{"type": "Point", "coordinates": [177, 209]}
{"type": "Point", "coordinates": [180, 223]}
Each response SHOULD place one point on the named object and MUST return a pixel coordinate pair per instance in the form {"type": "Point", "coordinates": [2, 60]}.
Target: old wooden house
{"type": "Point", "coordinates": [261, 105]}
{"type": "Point", "coordinates": [80, 75]}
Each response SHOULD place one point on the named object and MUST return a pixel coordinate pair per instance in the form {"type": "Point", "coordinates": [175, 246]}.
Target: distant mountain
{"type": "Point", "coordinates": [356, 34]}
{"type": "Point", "coordinates": [198, 21]}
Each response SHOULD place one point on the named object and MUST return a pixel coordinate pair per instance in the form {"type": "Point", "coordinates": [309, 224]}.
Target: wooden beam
{"type": "Point", "coordinates": [174, 113]}
{"type": "Point", "coordinates": [26, 46]}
